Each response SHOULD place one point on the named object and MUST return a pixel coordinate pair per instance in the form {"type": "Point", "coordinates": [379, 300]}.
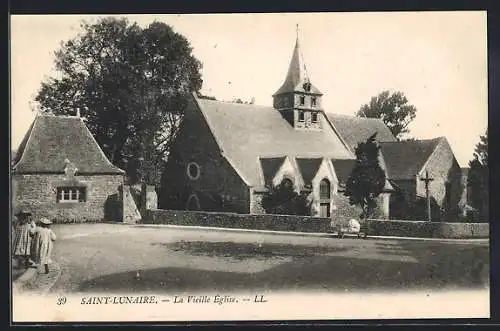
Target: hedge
{"type": "Point", "coordinates": [314, 224]}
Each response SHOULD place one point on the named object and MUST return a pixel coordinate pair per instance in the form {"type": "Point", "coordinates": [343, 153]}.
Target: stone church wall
{"type": "Point", "coordinates": [218, 186]}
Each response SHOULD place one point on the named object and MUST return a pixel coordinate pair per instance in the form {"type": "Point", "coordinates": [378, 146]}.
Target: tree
{"type": "Point", "coordinates": [393, 109]}
{"type": "Point", "coordinates": [367, 179]}
{"type": "Point", "coordinates": [132, 86]}
{"type": "Point", "coordinates": [478, 179]}
{"type": "Point", "coordinates": [239, 100]}
{"type": "Point", "coordinates": [207, 97]}
{"type": "Point", "coordinates": [283, 200]}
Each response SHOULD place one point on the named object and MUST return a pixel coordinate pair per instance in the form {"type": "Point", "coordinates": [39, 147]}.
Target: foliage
{"type": "Point", "coordinates": [283, 200]}
{"type": "Point", "coordinates": [131, 84]}
{"type": "Point", "coordinates": [393, 109]}
{"type": "Point", "coordinates": [238, 100]}
{"type": "Point", "coordinates": [208, 97]}
{"type": "Point", "coordinates": [367, 179]}
{"type": "Point", "coordinates": [478, 179]}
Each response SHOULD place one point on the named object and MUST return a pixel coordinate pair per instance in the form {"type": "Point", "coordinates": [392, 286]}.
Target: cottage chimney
{"type": "Point", "coordinates": [77, 112]}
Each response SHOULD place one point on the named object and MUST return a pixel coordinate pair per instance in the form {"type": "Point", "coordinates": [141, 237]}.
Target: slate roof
{"type": "Point", "coordinates": [358, 129]}
{"type": "Point", "coordinates": [51, 140]}
{"type": "Point", "coordinates": [245, 133]}
{"type": "Point", "coordinates": [405, 159]}
{"type": "Point", "coordinates": [270, 166]}
{"type": "Point", "coordinates": [308, 168]}
{"type": "Point", "coordinates": [297, 75]}
{"type": "Point", "coordinates": [343, 169]}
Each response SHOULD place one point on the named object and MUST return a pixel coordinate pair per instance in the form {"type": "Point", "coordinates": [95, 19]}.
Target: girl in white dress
{"type": "Point", "coordinates": [43, 242]}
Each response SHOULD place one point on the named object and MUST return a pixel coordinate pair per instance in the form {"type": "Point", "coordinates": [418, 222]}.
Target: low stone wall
{"type": "Point", "coordinates": [238, 221]}
{"type": "Point", "coordinates": [314, 224]}
{"type": "Point", "coordinates": [422, 229]}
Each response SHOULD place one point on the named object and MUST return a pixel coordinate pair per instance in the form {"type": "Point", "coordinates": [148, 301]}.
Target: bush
{"type": "Point", "coordinates": [283, 200]}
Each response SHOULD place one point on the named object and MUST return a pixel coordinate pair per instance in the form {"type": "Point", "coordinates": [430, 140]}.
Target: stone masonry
{"type": "Point", "coordinates": [38, 194]}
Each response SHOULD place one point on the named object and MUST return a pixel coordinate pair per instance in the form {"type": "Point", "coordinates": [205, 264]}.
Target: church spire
{"type": "Point", "coordinates": [297, 73]}
{"type": "Point", "coordinates": [297, 99]}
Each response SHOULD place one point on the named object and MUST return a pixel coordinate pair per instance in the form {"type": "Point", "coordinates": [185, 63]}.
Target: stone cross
{"type": "Point", "coordinates": [427, 180]}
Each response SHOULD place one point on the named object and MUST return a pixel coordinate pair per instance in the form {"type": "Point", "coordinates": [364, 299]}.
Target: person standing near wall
{"type": "Point", "coordinates": [22, 239]}
{"type": "Point", "coordinates": [43, 238]}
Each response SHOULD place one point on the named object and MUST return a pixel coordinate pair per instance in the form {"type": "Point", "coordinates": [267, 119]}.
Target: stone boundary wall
{"type": "Point", "coordinates": [313, 224]}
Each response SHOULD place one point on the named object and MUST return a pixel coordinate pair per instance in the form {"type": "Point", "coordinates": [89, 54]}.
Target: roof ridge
{"type": "Point", "coordinates": [355, 117]}
{"type": "Point", "coordinates": [57, 115]}
{"type": "Point", "coordinates": [236, 103]}
{"type": "Point", "coordinates": [414, 140]}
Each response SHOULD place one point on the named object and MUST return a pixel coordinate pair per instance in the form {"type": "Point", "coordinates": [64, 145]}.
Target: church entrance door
{"type": "Point", "coordinates": [324, 198]}
{"type": "Point", "coordinates": [324, 209]}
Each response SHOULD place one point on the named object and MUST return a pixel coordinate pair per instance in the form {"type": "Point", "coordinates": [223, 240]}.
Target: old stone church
{"type": "Point", "coordinates": [226, 154]}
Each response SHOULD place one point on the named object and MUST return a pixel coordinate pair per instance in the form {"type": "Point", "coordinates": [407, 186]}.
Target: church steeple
{"type": "Point", "coordinates": [297, 99]}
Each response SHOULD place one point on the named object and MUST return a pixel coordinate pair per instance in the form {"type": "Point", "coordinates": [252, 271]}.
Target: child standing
{"type": "Point", "coordinates": [22, 238]}
{"type": "Point", "coordinates": [43, 238]}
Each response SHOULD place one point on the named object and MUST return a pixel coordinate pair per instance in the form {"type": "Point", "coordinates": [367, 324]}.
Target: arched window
{"type": "Point", "coordinates": [287, 182]}
{"type": "Point", "coordinates": [193, 203]}
{"type": "Point", "coordinates": [324, 189]}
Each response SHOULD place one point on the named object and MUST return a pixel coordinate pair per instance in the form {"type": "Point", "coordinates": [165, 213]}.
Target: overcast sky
{"type": "Point", "coordinates": [438, 59]}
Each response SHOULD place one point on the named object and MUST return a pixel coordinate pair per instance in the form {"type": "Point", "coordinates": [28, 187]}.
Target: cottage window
{"type": "Point", "coordinates": [301, 116]}
{"type": "Point", "coordinates": [193, 170]}
{"type": "Point", "coordinates": [314, 117]}
{"type": "Point", "coordinates": [302, 100]}
{"type": "Point", "coordinates": [313, 102]}
{"type": "Point", "coordinates": [71, 194]}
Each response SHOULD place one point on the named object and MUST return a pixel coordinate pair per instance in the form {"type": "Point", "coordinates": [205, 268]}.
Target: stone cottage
{"type": "Point", "coordinates": [60, 172]}
{"type": "Point", "coordinates": [226, 154]}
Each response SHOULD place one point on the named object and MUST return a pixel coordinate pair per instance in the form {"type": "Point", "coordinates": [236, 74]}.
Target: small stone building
{"type": "Point", "coordinates": [405, 163]}
{"type": "Point", "coordinates": [408, 164]}
{"type": "Point", "coordinates": [60, 172]}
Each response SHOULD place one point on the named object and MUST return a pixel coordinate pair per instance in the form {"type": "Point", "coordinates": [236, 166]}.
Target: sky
{"type": "Point", "coordinates": [437, 59]}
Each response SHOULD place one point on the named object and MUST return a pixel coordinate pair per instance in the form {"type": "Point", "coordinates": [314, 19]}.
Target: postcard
{"type": "Point", "coordinates": [231, 167]}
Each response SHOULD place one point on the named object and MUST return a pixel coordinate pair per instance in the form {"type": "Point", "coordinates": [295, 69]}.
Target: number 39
{"type": "Point", "coordinates": [61, 300]}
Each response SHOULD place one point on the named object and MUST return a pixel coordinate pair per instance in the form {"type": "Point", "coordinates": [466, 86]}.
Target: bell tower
{"type": "Point", "coordinates": [297, 99]}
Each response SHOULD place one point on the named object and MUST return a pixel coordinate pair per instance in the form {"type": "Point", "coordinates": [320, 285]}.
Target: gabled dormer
{"type": "Point", "coordinates": [298, 100]}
